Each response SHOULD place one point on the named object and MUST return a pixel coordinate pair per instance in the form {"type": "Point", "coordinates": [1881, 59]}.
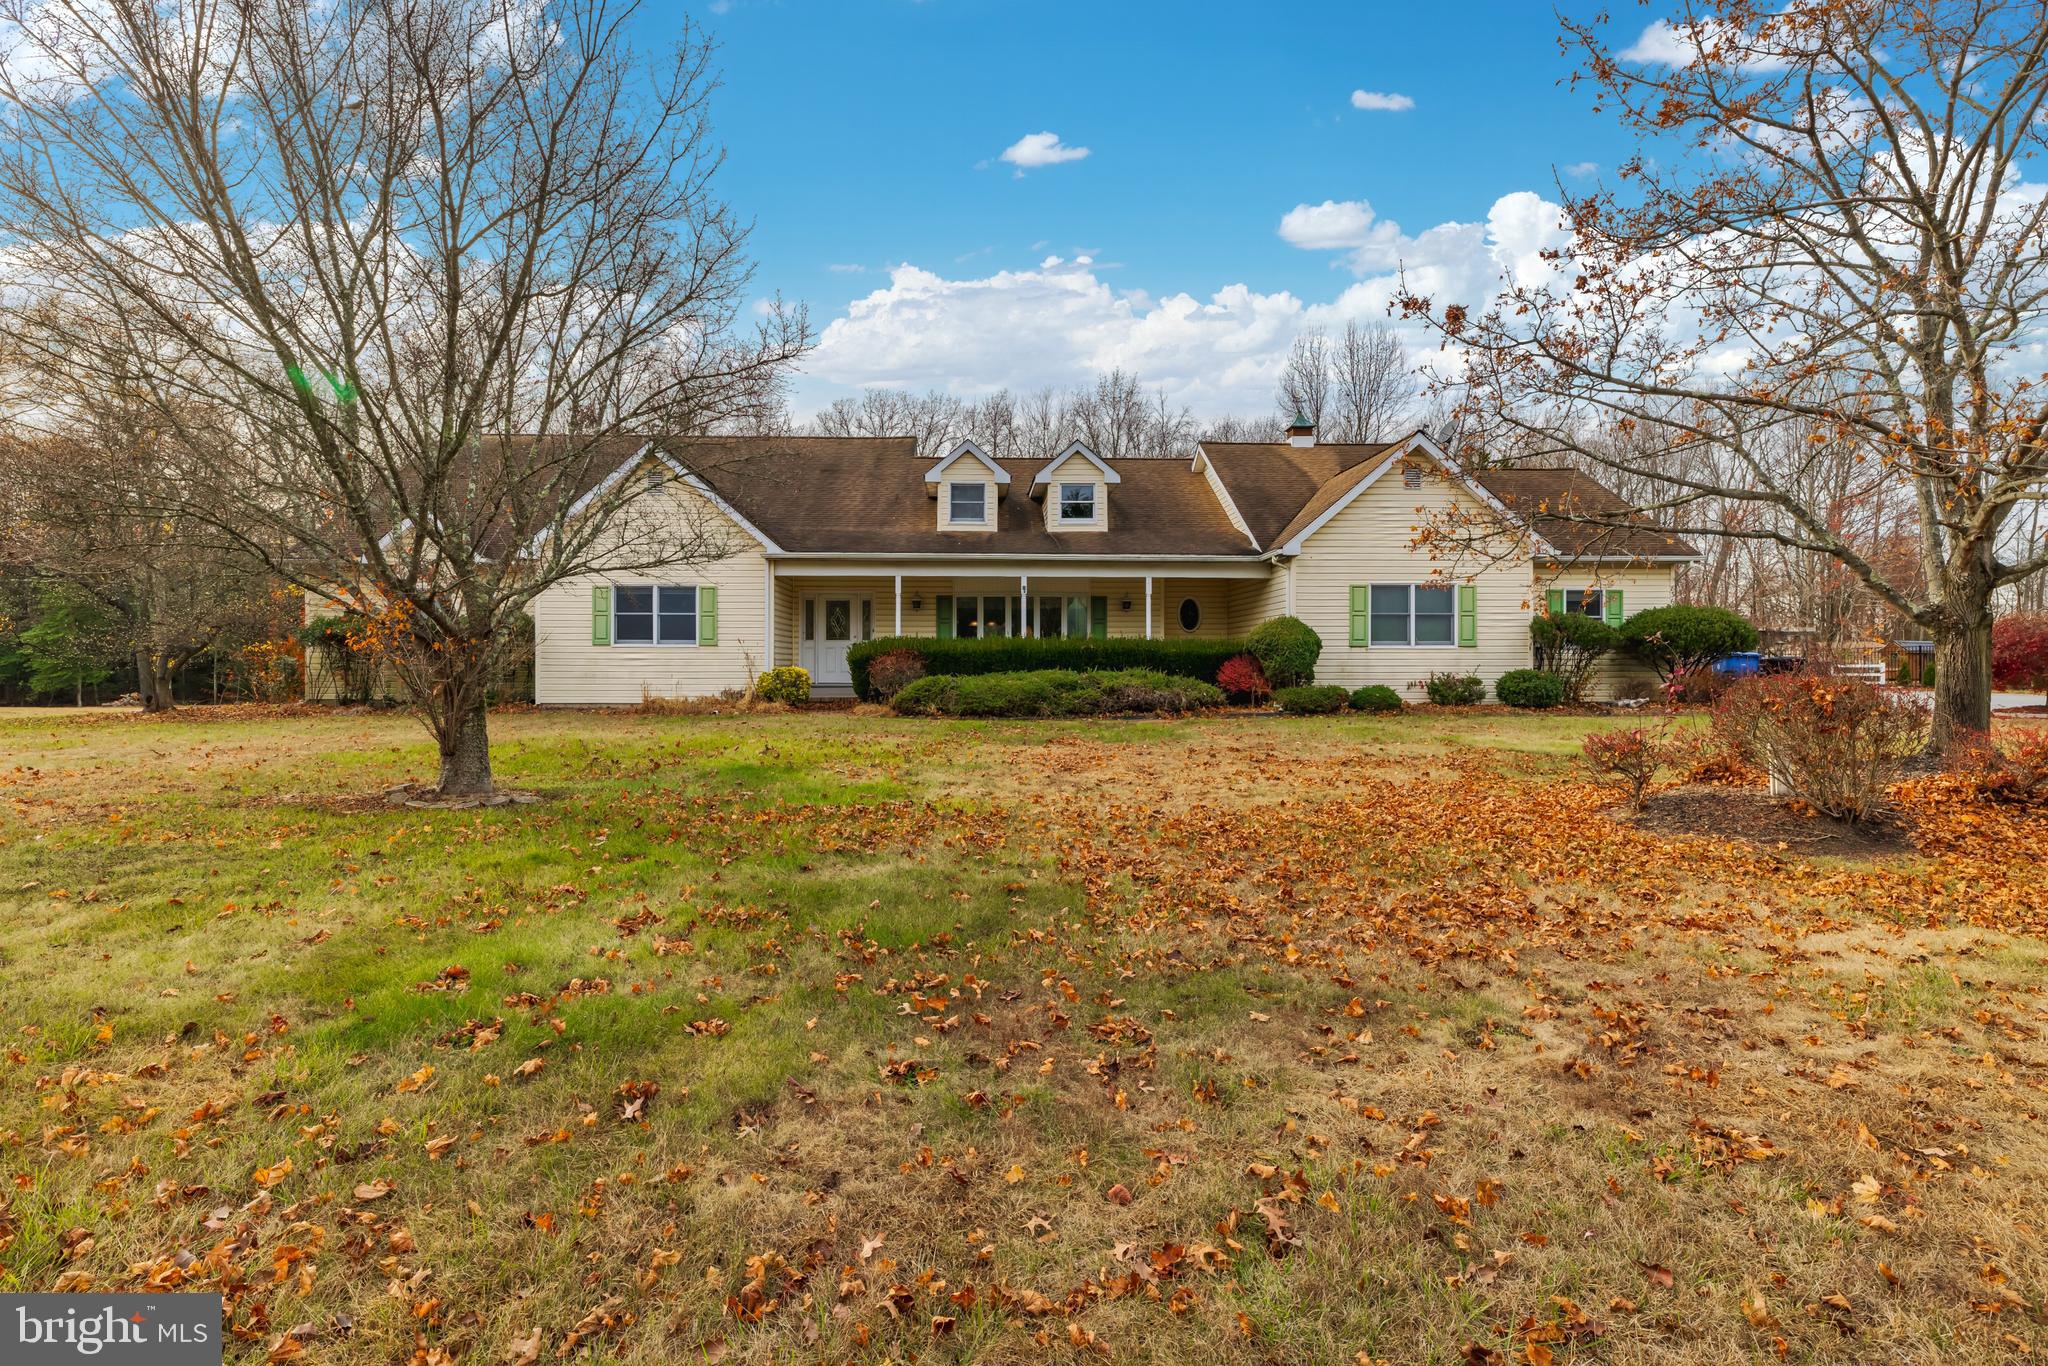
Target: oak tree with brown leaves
{"type": "Point", "coordinates": [1829, 230]}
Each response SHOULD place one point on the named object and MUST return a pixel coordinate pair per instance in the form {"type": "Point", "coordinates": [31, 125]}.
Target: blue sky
{"type": "Point", "coordinates": [866, 137]}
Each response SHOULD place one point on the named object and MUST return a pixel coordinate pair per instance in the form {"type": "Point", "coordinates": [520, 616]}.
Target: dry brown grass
{"type": "Point", "coordinates": [1507, 1076]}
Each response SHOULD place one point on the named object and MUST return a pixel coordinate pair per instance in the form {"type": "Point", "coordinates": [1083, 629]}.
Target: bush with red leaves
{"type": "Point", "coordinates": [1628, 759]}
{"type": "Point", "coordinates": [2019, 651]}
{"type": "Point", "coordinates": [1244, 679]}
{"type": "Point", "coordinates": [2013, 771]}
{"type": "Point", "coordinates": [891, 671]}
{"type": "Point", "coordinates": [1834, 743]}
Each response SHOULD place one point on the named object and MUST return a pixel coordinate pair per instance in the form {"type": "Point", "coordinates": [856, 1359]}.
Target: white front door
{"type": "Point", "coordinates": [831, 623]}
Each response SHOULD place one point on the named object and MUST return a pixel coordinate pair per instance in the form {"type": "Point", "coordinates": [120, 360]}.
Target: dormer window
{"type": "Point", "coordinates": [1077, 502]}
{"type": "Point", "coordinates": [967, 502]}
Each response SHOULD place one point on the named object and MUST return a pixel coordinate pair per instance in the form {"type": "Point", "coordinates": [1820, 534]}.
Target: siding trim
{"type": "Point", "coordinates": [1415, 442]}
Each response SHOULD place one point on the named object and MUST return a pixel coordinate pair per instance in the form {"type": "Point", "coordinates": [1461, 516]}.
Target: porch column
{"type": "Point", "coordinates": [1148, 607]}
{"type": "Point", "coordinates": [899, 606]}
{"type": "Point", "coordinates": [1023, 604]}
{"type": "Point", "coordinates": [768, 610]}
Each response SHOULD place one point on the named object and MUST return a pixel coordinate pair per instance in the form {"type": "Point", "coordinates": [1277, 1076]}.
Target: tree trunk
{"type": "Point", "coordinates": [1962, 682]}
{"type": "Point", "coordinates": [465, 753]}
{"type": "Point", "coordinates": [153, 689]}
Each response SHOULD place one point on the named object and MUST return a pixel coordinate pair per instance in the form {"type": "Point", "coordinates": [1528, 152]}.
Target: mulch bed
{"type": "Point", "coordinates": [1755, 817]}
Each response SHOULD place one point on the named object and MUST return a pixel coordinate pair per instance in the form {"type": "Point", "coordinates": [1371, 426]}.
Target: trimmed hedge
{"type": "Point", "coordinates": [1287, 648]}
{"type": "Point", "coordinates": [1376, 697]}
{"type": "Point", "coordinates": [1312, 700]}
{"type": "Point", "coordinates": [1056, 692]}
{"type": "Point", "coordinates": [1011, 654]}
{"type": "Point", "coordinates": [1529, 688]}
{"type": "Point", "coordinates": [1682, 639]}
{"type": "Point", "coordinates": [786, 684]}
{"type": "Point", "coordinates": [1448, 689]}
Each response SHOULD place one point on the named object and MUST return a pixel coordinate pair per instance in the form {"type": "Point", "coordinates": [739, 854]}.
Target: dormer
{"type": "Point", "coordinates": [1074, 486]}
{"type": "Point", "coordinates": [967, 485]}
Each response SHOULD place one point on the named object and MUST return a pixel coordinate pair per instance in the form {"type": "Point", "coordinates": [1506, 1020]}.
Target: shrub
{"type": "Point", "coordinates": [1287, 649]}
{"type": "Point", "coordinates": [1454, 690]}
{"type": "Point", "coordinates": [889, 672]}
{"type": "Point", "coordinates": [1834, 743]}
{"type": "Point", "coordinates": [1055, 692]}
{"type": "Point", "coordinates": [1927, 674]}
{"type": "Point", "coordinates": [1377, 698]}
{"type": "Point", "coordinates": [2014, 771]}
{"type": "Point", "coordinates": [1680, 639]}
{"type": "Point", "coordinates": [1012, 654]}
{"type": "Point", "coordinates": [1529, 688]}
{"type": "Point", "coordinates": [1628, 759]}
{"type": "Point", "coordinates": [1569, 644]}
{"type": "Point", "coordinates": [1244, 678]}
{"type": "Point", "coordinates": [786, 684]}
{"type": "Point", "coordinates": [1311, 700]}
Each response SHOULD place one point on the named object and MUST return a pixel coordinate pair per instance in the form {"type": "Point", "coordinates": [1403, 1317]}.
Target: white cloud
{"type": "Point", "coordinates": [1583, 170]}
{"type": "Point", "coordinates": [1060, 321]}
{"type": "Point", "coordinates": [1382, 101]}
{"type": "Point", "coordinates": [846, 268]}
{"type": "Point", "coordinates": [1332, 223]}
{"type": "Point", "coordinates": [1669, 44]}
{"type": "Point", "coordinates": [1040, 149]}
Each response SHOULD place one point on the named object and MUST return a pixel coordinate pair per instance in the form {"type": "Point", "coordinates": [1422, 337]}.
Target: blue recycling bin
{"type": "Point", "coordinates": [1746, 662]}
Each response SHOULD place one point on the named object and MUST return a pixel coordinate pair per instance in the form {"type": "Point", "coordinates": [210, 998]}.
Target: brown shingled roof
{"type": "Point", "coordinates": [858, 496]}
{"type": "Point", "coordinates": [1553, 501]}
{"type": "Point", "coordinates": [1271, 481]}
{"type": "Point", "coordinates": [866, 496]}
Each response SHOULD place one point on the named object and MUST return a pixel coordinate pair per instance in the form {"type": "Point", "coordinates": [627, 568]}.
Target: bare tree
{"type": "Point", "coordinates": [1852, 249]}
{"type": "Point", "coordinates": [1372, 384]}
{"type": "Point", "coordinates": [1304, 390]}
{"type": "Point", "coordinates": [429, 265]}
{"type": "Point", "coordinates": [86, 506]}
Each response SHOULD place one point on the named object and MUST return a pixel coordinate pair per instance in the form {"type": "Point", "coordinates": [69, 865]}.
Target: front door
{"type": "Point", "coordinates": [831, 624]}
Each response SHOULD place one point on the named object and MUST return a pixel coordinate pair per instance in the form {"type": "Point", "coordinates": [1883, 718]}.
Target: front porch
{"type": "Point", "coordinates": [821, 612]}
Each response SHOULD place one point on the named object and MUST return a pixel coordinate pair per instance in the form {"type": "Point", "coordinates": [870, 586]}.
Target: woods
{"type": "Point", "coordinates": [1803, 314]}
{"type": "Point", "coordinates": [339, 256]}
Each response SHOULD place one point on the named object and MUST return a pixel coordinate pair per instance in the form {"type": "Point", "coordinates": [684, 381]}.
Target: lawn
{"type": "Point", "coordinates": [816, 1036]}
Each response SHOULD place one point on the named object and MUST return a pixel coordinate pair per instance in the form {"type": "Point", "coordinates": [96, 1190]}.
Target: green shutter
{"type": "Point", "coordinates": [1555, 602]}
{"type": "Point", "coordinates": [707, 616]}
{"type": "Point", "coordinates": [1612, 602]}
{"type": "Point", "coordinates": [1468, 616]}
{"type": "Point", "coordinates": [945, 617]}
{"type": "Point", "coordinates": [1361, 616]}
{"type": "Point", "coordinates": [601, 615]}
{"type": "Point", "coordinates": [1098, 618]}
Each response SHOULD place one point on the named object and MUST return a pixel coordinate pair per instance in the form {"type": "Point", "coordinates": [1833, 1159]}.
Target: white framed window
{"type": "Point", "coordinates": [967, 502]}
{"type": "Point", "coordinates": [1584, 601]}
{"type": "Point", "coordinates": [1414, 614]}
{"type": "Point", "coordinates": [653, 614]}
{"type": "Point", "coordinates": [1077, 502]}
{"type": "Point", "coordinates": [983, 616]}
{"type": "Point", "coordinates": [1061, 614]}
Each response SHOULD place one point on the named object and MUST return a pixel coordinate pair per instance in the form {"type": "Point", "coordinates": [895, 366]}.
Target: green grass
{"type": "Point", "coordinates": [1119, 953]}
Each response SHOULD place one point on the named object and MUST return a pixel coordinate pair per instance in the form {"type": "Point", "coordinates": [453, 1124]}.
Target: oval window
{"type": "Point", "coordinates": [1190, 614]}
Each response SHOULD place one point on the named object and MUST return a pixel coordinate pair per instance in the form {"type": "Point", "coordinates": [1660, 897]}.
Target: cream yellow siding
{"type": "Point", "coordinates": [1076, 469]}
{"type": "Point", "coordinates": [969, 469]}
{"type": "Point", "coordinates": [570, 669]}
{"type": "Point", "coordinates": [1371, 540]}
{"type": "Point", "coordinates": [1640, 587]}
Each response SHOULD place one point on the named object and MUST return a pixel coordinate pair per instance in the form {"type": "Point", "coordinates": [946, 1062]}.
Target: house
{"type": "Point", "coordinates": [835, 540]}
